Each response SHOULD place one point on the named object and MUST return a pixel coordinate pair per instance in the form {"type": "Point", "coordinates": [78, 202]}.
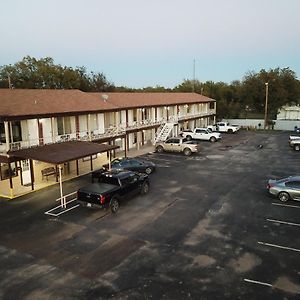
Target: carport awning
{"type": "Point", "coordinates": [60, 153]}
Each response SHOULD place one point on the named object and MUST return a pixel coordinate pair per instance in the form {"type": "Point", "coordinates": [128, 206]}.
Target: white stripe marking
{"type": "Point", "coordinates": [278, 246]}
{"type": "Point", "coordinates": [258, 282]}
{"type": "Point", "coordinates": [283, 222]}
{"type": "Point", "coordinates": [286, 205]}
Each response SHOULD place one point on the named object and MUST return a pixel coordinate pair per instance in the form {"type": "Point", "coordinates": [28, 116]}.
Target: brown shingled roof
{"type": "Point", "coordinates": [59, 153]}
{"type": "Point", "coordinates": [130, 100]}
{"type": "Point", "coordinates": [21, 103]}
{"type": "Point", "coordinates": [43, 102]}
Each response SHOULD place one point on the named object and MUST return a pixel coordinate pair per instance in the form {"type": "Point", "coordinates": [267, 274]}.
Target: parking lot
{"type": "Point", "coordinates": [206, 230]}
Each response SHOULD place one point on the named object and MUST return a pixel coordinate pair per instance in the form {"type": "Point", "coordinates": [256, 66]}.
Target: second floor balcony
{"type": "Point", "coordinates": [107, 133]}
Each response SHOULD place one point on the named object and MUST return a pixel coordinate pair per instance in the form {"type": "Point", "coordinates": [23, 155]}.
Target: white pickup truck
{"type": "Point", "coordinates": [223, 127]}
{"type": "Point", "coordinates": [201, 134]}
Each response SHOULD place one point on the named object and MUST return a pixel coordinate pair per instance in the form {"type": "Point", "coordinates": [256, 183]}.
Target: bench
{"type": "Point", "coordinates": [48, 171]}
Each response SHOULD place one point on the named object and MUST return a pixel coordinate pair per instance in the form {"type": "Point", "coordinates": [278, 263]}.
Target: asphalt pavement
{"type": "Point", "coordinates": [207, 230]}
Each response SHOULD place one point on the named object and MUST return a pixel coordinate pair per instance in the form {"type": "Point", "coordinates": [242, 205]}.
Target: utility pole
{"type": "Point", "coordinates": [266, 104]}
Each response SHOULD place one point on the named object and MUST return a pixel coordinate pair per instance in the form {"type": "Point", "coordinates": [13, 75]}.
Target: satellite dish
{"type": "Point", "coordinates": [104, 97]}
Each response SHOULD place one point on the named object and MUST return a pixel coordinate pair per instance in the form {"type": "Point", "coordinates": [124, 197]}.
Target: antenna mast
{"type": "Point", "coordinates": [194, 74]}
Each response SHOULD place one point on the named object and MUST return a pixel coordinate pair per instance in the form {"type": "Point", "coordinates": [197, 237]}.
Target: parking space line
{"type": "Point", "coordinates": [283, 222]}
{"type": "Point", "coordinates": [258, 282]}
{"type": "Point", "coordinates": [285, 205]}
{"type": "Point", "coordinates": [278, 246]}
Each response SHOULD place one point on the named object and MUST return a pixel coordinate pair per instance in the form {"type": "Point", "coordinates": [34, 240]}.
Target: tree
{"type": "Point", "coordinates": [283, 88]}
{"type": "Point", "coordinates": [44, 74]}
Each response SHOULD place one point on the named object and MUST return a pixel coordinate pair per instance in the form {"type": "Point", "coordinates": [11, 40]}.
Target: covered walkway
{"type": "Point", "coordinates": [63, 161]}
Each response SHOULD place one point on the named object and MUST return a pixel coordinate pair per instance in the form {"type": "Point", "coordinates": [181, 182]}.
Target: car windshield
{"type": "Point", "coordinates": [116, 161]}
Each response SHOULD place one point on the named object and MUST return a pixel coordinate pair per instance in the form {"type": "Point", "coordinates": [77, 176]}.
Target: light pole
{"type": "Point", "coordinates": [266, 104]}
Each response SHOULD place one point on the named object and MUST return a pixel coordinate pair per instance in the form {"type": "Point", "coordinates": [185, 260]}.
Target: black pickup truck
{"type": "Point", "coordinates": [113, 187]}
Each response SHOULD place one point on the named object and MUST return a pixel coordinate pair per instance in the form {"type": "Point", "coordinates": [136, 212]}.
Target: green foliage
{"type": "Point", "coordinates": [283, 88]}
{"type": "Point", "coordinates": [31, 73]}
{"type": "Point", "coordinates": [243, 99]}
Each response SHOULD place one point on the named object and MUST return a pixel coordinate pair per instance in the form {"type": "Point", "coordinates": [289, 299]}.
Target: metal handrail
{"type": "Point", "coordinates": [111, 131]}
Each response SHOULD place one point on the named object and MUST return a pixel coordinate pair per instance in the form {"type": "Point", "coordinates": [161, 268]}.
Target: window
{"type": "Point", "coordinates": [293, 184]}
{"type": "Point", "coordinates": [200, 131]}
{"type": "Point", "coordinates": [129, 180]}
{"type": "Point", "coordinates": [173, 141]}
{"type": "Point", "coordinates": [63, 125]}
{"type": "Point", "coordinates": [212, 105]}
{"type": "Point", "coordinates": [4, 170]}
{"type": "Point", "coordinates": [16, 131]}
{"type": "Point", "coordinates": [134, 115]}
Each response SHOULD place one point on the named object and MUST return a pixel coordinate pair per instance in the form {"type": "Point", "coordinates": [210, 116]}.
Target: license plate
{"type": "Point", "coordinates": [89, 204]}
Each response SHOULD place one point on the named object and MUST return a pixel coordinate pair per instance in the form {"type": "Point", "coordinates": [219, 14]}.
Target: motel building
{"type": "Point", "coordinates": [47, 136]}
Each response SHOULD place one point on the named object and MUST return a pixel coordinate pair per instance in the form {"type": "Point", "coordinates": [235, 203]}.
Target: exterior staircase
{"type": "Point", "coordinates": [163, 132]}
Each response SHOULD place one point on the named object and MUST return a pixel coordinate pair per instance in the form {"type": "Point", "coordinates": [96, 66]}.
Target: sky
{"type": "Point", "coordinates": [141, 43]}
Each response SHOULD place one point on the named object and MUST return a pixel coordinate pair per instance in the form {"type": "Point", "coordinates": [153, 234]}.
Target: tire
{"type": "Point", "coordinates": [297, 147]}
{"type": "Point", "coordinates": [230, 131]}
{"type": "Point", "coordinates": [187, 151]}
{"type": "Point", "coordinates": [188, 137]}
{"type": "Point", "coordinates": [159, 149]}
{"type": "Point", "coordinates": [114, 205]}
{"type": "Point", "coordinates": [145, 188]}
{"type": "Point", "coordinates": [212, 139]}
{"type": "Point", "coordinates": [148, 170]}
{"type": "Point", "coordinates": [283, 196]}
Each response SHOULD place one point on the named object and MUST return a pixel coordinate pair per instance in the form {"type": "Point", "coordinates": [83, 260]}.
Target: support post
{"type": "Point", "coordinates": [77, 167]}
{"type": "Point", "coordinates": [31, 174]}
{"type": "Point", "coordinates": [10, 180]}
{"type": "Point", "coordinates": [62, 200]}
{"type": "Point", "coordinates": [125, 145]}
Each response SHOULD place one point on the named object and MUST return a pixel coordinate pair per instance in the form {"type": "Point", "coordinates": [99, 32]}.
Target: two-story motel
{"type": "Point", "coordinates": [43, 132]}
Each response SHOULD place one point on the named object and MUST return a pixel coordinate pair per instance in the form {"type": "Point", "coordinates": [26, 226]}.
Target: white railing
{"type": "Point", "coordinates": [109, 132]}
{"type": "Point", "coordinates": [196, 115]}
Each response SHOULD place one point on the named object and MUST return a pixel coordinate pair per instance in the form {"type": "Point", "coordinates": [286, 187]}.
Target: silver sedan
{"type": "Point", "coordinates": [285, 189]}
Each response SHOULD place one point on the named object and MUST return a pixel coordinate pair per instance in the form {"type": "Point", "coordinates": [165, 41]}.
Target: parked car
{"type": "Point", "coordinates": [285, 189]}
{"type": "Point", "coordinates": [294, 142]}
{"type": "Point", "coordinates": [112, 188]}
{"type": "Point", "coordinates": [223, 127]}
{"type": "Point", "coordinates": [177, 144]}
{"type": "Point", "coordinates": [132, 164]}
{"type": "Point", "coordinates": [201, 134]}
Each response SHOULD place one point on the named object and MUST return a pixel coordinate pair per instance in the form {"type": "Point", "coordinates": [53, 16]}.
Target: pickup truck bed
{"type": "Point", "coordinates": [98, 188]}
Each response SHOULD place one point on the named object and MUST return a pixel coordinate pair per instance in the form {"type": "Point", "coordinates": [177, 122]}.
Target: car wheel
{"type": "Point", "coordinates": [297, 147]}
{"type": "Point", "coordinates": [188, 137]}
{"type": "Point", "coordinates": [114, 205]}
{"type": "Point", "coordinates": [187, 151]}
{"type": "Point", "coordinates": [159, 149]}
{"type": "Point", "coordinates": [148, 170]}
{"type": "Point", "coordinates": [212, 139]}
{"type": "Point", "coordinates": [283, 196]}
{"type": "Point", "coordinates": [145, 188]}
{"type": "Point", "coordinates": [230, 131]}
